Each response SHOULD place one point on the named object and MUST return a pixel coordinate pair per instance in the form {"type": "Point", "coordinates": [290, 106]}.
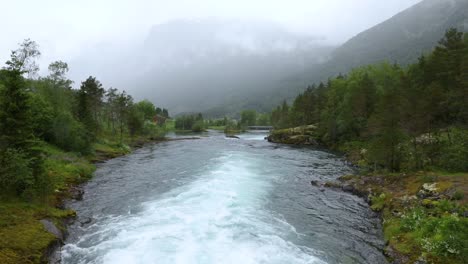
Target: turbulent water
{"type": "Point", "coordinates": [221, 200]}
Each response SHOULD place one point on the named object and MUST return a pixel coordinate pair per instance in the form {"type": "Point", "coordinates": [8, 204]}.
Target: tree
{"type": "Point", "coordinates": [248, 118]}
{"type": "Point", "coordinates": [23, 59]}
{"type": "Point", "coordinates": [20, 159]}
{"type": "Point", "coordinates": [123, 104]}
{"type": "Point", "coordinates": [90, 102]}
{"type": "Point", "coordinates": [147, 108]}
{"type": "Point", "coordinates": [165, 113]}
{"type": "Point", "coordinates": [385, 127]}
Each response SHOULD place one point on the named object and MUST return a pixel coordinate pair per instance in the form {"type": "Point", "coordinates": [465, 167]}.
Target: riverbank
{"type": "Point", "coordinates": [32, 231]}
{"type": "Point", "coordinates": [424, 214]}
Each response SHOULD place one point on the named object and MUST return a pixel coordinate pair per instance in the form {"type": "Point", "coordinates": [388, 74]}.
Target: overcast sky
{"type": "Point", "coordinates": [63, 28]}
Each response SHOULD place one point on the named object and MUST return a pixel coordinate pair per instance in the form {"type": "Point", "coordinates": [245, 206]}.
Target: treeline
{"type": "Point", "coordinates": [391, 117]}
{"type": "Point", "coordinates": [197, 123]}
{"type": "Point", "coordinates": [194, 123]}
{"type": "Point", "coordinates": [46, 110]}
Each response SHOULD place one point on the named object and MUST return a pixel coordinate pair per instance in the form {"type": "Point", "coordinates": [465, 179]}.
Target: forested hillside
{"type": "Point", "coordinates": [406, 117]}
{"type": "Point", "coordinates": [405, 127]}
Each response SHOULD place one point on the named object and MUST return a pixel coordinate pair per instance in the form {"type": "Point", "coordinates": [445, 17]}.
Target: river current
{"type": "Point", "coordinates": [221, 200]}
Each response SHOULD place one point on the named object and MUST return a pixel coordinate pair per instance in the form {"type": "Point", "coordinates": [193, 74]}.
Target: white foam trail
{"type": "Point", "coordinates": [218, 219]}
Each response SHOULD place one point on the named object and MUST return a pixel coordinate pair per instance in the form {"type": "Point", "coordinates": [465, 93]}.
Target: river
{"type": "Point", "coordinates": [221, 200]}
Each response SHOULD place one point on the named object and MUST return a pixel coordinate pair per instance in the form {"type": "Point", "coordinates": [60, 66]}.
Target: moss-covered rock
{"type": "Point", "coordinates": [303, 135]}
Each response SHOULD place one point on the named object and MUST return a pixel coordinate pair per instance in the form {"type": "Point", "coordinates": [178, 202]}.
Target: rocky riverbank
{"type": "Point", "coordinates": [424, 215]}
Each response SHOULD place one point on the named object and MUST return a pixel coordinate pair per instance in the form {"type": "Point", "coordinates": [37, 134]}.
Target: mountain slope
{"type": "Point", "coordinates": [402, 38]}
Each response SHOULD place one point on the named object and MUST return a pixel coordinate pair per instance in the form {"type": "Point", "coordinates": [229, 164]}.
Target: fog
{"type": "Point", "coordinates": [166, 50]}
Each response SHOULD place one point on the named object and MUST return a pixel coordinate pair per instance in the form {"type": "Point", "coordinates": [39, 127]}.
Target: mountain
{"type": "Point", "coordinates": [198, 65]}
{"type": "Point", "coordinates": [401, 39]}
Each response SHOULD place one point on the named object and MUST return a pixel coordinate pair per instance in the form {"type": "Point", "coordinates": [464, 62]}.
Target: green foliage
{"type": "Point", "coordinates": [40, 120]}
{"type": "Point", "coordinates": [194, 123]}
{"type": "Point", "coordinates": [412, 119]}
{"type": "Point", "coordinates": [147, 108]}
{"type": "Point", "coordinates": [378, 202]}
{"type": "Point", "coordinates": [454, 151]}
{"type": "Point", "coordinates": [249, 118]}
{"type": "Point", "coordinates": [198, 126]}
{"type": "Point", "coordinates": [90, 102]}
{"type": "Point", "coordinates": [16, 173]}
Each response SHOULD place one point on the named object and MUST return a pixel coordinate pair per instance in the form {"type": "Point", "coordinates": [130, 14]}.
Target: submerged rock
{"type": "Point", "coordinates": [314, 183]}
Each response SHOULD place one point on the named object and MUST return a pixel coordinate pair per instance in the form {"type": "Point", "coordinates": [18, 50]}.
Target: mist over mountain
{"type": "Point", "coordinates": [195, 65]}
{"type": "Point", "coordinates": [400, 39]}
{"type": "Point", "coordinates": [220, 66]}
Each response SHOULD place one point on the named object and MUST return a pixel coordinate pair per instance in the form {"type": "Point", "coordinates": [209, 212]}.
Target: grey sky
{"type": "Point", "coordinates": [63, 28]}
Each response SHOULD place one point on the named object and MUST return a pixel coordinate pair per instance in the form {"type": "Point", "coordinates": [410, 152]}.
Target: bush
{"type": "Point", "coordinates": [199, 126]}
{"type": "Point", "coordinates": [378, 202]}
{"type": "Point", "coordinates": [69, 134]}
{"type": "Point", "coordinates": [445, 236]}
{"type": "Point", "coordinates": [152, 130]}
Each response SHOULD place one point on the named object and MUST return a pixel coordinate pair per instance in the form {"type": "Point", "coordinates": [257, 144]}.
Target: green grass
{"type": "Point", "coordinates": [23, 237]}
{"type": "Point", "coordinates": [431, 228]}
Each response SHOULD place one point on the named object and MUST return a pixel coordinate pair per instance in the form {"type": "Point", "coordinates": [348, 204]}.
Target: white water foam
{"type": "Point", "coordinates": [220, 218]}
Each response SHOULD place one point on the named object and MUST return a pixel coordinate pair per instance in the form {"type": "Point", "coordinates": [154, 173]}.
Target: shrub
{"type": "Point", "coordinates": [198, 126]}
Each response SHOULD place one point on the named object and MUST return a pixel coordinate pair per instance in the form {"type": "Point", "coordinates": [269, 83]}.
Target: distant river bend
{"type": "Point", "coordinates": [221, 200]}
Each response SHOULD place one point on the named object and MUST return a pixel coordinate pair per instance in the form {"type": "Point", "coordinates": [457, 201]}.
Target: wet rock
{"type": "Point", "coordinates": [76, 193]}
{"type": "Point", "coordinates": [52, 253]}
{"type": "Point", "coordinates": [348, 188]}
{"type": "Point", "coordinates": [314, 183]}
{"type": "Point", "coordinates": [51, 228]}
{"type": "Point", "coordinates": [85, 221]}
{"type": "Point", "coordinates": [396, 257]}
{"type": "Point", "coordinates": [232, 136]}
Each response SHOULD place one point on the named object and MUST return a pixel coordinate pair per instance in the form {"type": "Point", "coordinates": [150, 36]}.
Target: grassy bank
{"type": "Point", "coordinates": [24, 238]}
{"type": "Point", "coordinates": [424, 214]}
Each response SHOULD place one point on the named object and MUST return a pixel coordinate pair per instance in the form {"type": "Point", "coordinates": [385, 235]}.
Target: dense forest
{"type": "Point", "coordinates": [392, 117]}
{"type": "Point", "coordinates": [39, 112]}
